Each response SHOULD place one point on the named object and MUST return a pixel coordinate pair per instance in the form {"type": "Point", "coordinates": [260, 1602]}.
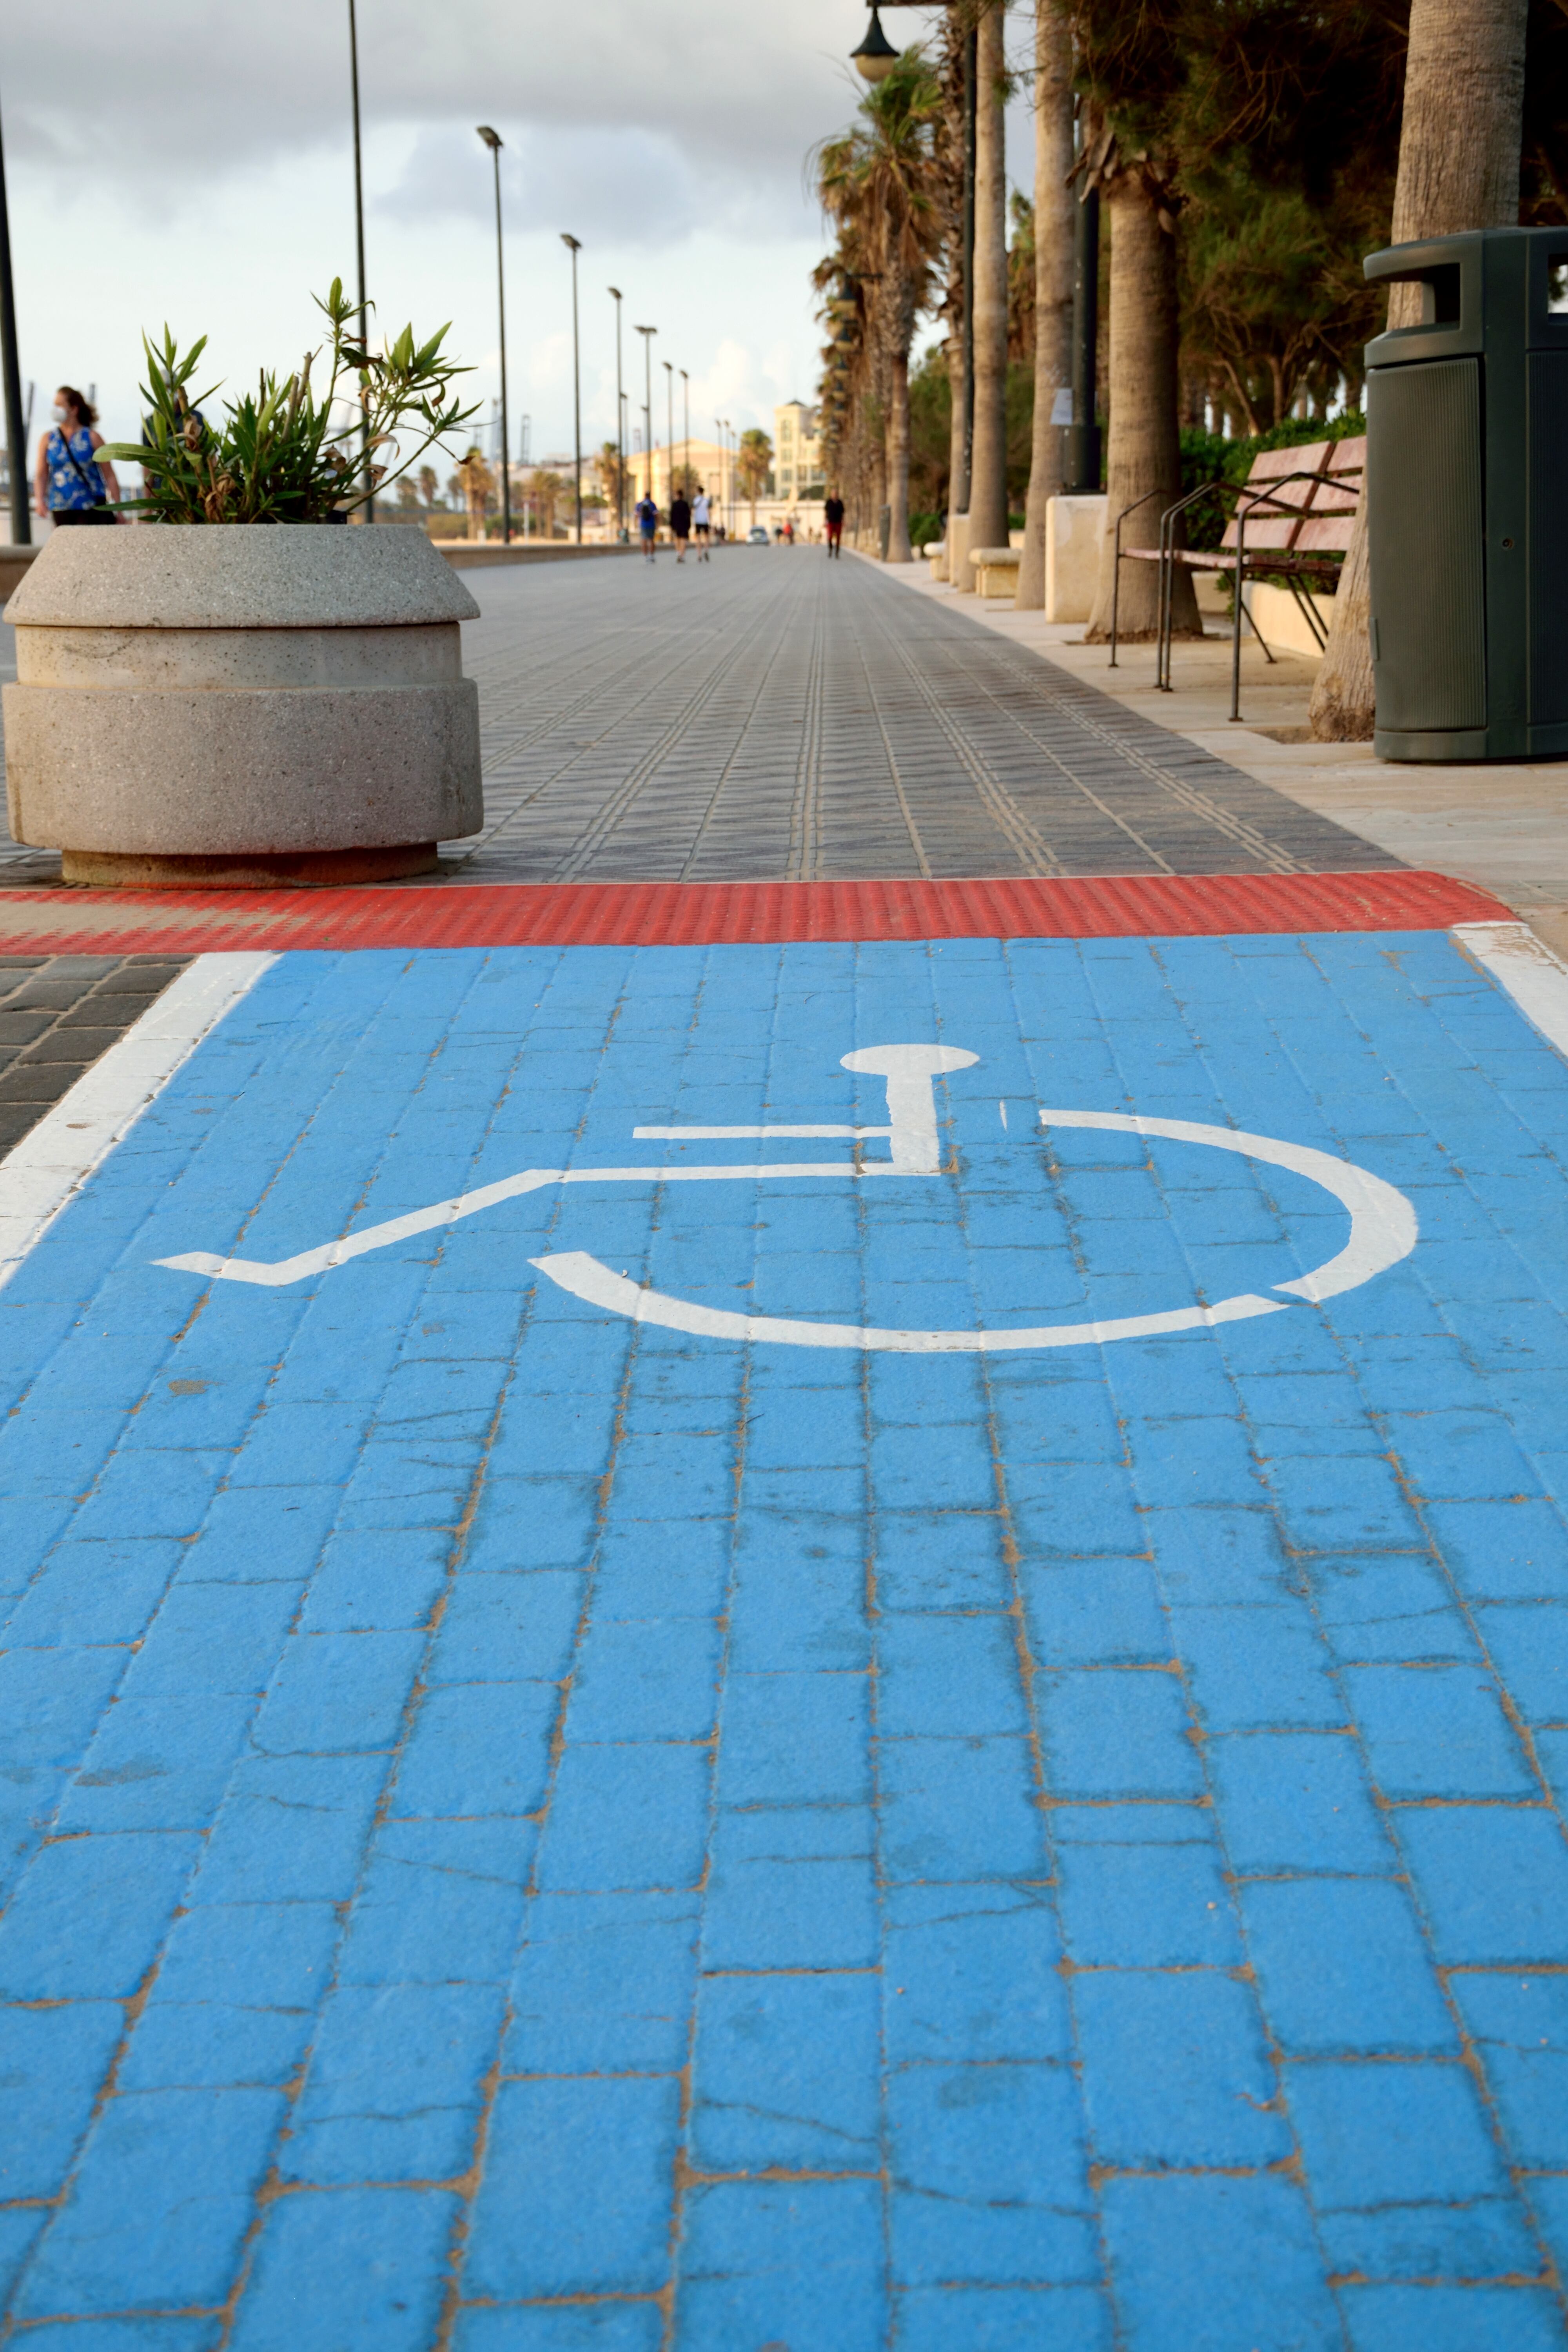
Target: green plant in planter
{"type": "Point", "coordinates": [278, 457]}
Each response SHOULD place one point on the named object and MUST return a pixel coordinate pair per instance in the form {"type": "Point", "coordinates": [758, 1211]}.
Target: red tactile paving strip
{"type": "Point", "coordinates": [692, 914]}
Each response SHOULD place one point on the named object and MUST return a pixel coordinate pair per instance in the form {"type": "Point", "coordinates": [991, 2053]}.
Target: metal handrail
{"type": "Point", "coordinates": [1116, 571]}
{"type": "Point", "coordinates": [1167, 576]}
{"type": "Point", "coordinates": [1244, 507]}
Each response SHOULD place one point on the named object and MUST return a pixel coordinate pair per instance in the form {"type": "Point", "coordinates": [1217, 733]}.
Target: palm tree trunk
{"type": "Point", "coordinates": [1459, 169]}
{"type": "Point", "coordinates": [1053, 210]}
{"type": "Point", "coordinates": [958, 439]}
{"type": "Point", "coordinates": [898, 548]}
{"type": "Point", "coordinates": [1144, 455]}
{"type": "Point", "coordinates": [988, 480]}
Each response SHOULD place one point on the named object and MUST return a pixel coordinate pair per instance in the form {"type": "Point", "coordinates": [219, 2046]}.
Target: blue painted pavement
{"type": "Point", "coordinates": [528, 1828]}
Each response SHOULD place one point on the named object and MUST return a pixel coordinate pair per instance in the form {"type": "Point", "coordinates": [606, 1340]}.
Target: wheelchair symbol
{"type": "Point", "coordinates": [1383, 1225]}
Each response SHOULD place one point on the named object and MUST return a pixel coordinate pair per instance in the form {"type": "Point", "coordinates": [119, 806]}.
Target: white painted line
{"type": "Point", "coordinates": [1527, 968]}
{"type": "Point", "coordinates": [1383, 1229]}
{"type": "Point", "coordinates": [1384, 1226]}
{"type": "Point", "coordinates": [914, 1149]}
{"type": "Point", "coordinates": [586, 1279]}
{"type": "Point", "coordinates": [52, 1163]}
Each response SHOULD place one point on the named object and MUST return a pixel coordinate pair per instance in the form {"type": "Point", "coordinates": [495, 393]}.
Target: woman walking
{"type": "Point", "coordinates": [70, 486]}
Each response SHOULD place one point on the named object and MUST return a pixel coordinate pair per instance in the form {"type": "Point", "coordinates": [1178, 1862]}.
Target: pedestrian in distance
{"type": "Point", "coordinates": [648, 523]}
{"type": "Point", "coordinates": [680, 524]}
{"type": "Point", "coordinates": [833, 516]}
{"type": "Point", "coordinates": [69, 485]}
{"type": "Point", "coordinates": [702, 523]}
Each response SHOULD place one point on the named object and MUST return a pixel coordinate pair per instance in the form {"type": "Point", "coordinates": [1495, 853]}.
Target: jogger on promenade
{"type": "Point", "coordinates": [702, 523]}
{"type": "Point", "coordinates": [680, 524]}
{"type": "Point", "coordinates": [833, 515]}
{"type": "Point", "coordinates": [648, 523]}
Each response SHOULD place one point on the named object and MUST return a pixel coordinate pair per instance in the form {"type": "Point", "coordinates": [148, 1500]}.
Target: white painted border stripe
{"type": "Point", "coordinates": [1527, 968]}
{"type": "Point", "coordinates": [51, 1163]}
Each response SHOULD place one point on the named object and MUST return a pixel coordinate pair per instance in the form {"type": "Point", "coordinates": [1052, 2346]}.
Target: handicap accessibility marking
{"type": "Point", "coordinates": [1382, 1221]}
{"type": "Point", "coordinates": [745, 1573]}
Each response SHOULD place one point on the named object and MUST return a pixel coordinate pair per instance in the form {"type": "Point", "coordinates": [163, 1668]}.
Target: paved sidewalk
{"type": "Point", "coordinates": [772, 715]}
{"type": "Point", "coordinates": [1503, 824]}
{"type": "Point", "coordinates": [549, 1807]}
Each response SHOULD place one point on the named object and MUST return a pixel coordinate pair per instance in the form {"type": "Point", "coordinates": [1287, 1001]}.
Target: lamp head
{"type": "Point", "coordinates": [616, 291]}
{"type": "Point", "coordinates": [647, 330]}
{"type": "Point", "coordinates": [574, 243]}
{"type": "Point", "coordinates": [491, 138]}
{"type": "Point", "coordinates": [875, 57]}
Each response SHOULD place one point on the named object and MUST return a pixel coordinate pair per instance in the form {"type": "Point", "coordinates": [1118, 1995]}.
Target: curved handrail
{"type": "Point", "coordinates": [1116, 571]}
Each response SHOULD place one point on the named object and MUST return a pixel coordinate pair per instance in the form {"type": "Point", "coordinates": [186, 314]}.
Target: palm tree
{"type": "Point", "coordinates": [608, 466]}
{"type": "Point", "coordinates": [1052, 243]}
{"type": "Point", "coordinates": [988, 462]}
{"type": "Point", "coordinates": [1458, 168]}
{"type": "Point", "coordinates": [753, 464]}
{"type": "Point", "coordinates": [879, 184]}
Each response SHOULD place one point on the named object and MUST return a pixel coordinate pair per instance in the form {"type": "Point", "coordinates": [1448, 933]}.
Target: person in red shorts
{"type": "Point", "coordinates": [833, 516]}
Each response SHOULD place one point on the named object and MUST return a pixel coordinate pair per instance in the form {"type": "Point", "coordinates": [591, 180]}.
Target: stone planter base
{"type": "Point", "coordinates": [236, 707]}
{"type": "Point", "coordinates": [320, 870]}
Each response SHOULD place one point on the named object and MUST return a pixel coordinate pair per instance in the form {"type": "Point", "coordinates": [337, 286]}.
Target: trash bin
{"type": "Point", "coordinates": [1467, 500]}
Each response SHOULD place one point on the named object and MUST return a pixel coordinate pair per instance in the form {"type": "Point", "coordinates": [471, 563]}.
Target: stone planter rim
{"type": "Point", "coordinates": [240, 576]}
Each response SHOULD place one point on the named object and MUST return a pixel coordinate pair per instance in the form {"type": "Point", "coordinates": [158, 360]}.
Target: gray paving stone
{"type": "Point", "coordinates": [772, 716]}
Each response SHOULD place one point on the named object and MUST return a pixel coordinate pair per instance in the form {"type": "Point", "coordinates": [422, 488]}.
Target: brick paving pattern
{"type": "Point", "coordinates": [772, 715]}
{"type": "Point", "coordinates": [775, 717]}
{"type": "Point", "coordinates": [57, 1013]}
{"type": "Point", "coordinates": [526, 1827]}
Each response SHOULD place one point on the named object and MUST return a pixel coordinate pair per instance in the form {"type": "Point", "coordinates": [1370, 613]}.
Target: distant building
{"type": "Point", "coordinates": [797, 452]}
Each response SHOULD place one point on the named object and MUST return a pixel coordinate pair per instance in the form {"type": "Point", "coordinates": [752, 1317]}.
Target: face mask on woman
{"type": "Point", "coordinates": [59, 411]}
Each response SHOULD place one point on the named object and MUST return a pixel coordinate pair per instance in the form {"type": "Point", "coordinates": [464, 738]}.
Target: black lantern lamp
{"type": "Point", "coordinates": [875, 57]}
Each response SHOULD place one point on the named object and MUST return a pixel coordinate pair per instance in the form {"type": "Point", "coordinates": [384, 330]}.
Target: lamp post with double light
{"type": "Point", "coordinates": [620, 426]}
{"type": "Point", "coordinates": [647, 334]}
{"type": "Point", "coordinates": [574, 247]}
{"type": "Point", "coordinates": [493, 141]}
{"type": "Point", "coordinates": [668, 368]}
{"type": "Point", "coordinates": [685, 433]}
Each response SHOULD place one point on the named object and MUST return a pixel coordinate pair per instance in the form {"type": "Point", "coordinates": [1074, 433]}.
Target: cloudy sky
{"type": "Point", "coordinates": [195, 164]}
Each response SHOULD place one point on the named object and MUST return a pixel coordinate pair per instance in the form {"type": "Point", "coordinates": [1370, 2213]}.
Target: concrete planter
{"type": "Point", "coordinates": [241, 704]}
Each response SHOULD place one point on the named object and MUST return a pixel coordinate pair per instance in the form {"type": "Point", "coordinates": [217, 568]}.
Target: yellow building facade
{"type": "Point", "coordinates": [797, 452]}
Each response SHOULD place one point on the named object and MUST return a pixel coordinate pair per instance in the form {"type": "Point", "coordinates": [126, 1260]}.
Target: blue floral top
{"type": "Point", "coordinates": [67, 486]}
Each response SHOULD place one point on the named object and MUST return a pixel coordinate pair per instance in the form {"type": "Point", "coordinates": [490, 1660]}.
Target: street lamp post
{"type": "Point", "coordinates": [369, 508]}
{"type": "Point", "coordinates": [10, 364]}
{"type": "Point", "coordinates": [574, 247]}
{"type": "Point", "coordinates": [669, 425]}
{"type": "Point", "coordinates": [620, 428]}
{"type": "Point", "coordinates": [686, 432]}
{"type": "Point", "coordinates": [647, 334]}
{"type": "Point", "coordinates": [1082, 467]}
{"type": "Point", "coordinates": [493, 141]}
{"type": "Point", "coordinates": [875, 59]}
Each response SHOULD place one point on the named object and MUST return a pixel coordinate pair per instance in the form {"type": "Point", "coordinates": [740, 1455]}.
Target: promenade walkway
{"type": "Point", "coordinates": [839, 1624]}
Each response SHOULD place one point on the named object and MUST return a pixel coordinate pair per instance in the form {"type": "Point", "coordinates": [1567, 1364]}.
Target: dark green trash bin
{"type": "Point", "coordinates": [1467, 500]}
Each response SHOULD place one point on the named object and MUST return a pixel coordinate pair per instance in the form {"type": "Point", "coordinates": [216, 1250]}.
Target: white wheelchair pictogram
{"type": "Point", "coordinates": [1384, 1226]}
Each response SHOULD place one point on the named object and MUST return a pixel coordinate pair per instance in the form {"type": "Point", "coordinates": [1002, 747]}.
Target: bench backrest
{"type": "Point", "coordinates": [1336, 499]}
{"type": "Point", "coordinates": [1279, 523]}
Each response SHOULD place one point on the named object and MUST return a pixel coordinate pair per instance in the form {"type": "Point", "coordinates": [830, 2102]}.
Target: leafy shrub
{"type": "Point", "coordinates": [278, 457]}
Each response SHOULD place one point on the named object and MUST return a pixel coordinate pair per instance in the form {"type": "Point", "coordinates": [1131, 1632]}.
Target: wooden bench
{"type": "Point", "coordinates": [1291, 521]}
